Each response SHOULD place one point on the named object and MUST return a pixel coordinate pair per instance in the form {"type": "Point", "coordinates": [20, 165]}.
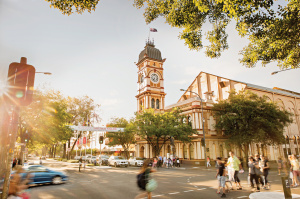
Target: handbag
{"type": "Point", "coordinates": [151, 185]}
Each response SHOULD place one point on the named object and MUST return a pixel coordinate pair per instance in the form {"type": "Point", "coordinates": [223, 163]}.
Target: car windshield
{"type": "Point", "coordinates": [139, 158]}
{"type": "Point", "coordinates": [119, 158]}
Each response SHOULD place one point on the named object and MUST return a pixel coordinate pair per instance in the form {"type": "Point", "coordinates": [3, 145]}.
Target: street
{"type": "Point", "coordinates": [185, 182]}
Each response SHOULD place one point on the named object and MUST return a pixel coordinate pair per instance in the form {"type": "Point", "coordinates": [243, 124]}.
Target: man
{"type": "Point", "coordinates": [235, 164]}
{"type": "Point", "coordinates": [221, 176]}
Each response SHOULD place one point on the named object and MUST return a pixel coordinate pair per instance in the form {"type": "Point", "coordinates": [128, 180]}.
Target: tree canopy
{"type": "Point", "coordinates": [158, 128]}
{"type": "Point", "coordinates": [247, 118]}
{"type": "Point", "coordinates": [126, 138]}
{"type": "Point", "coordinates": [273, 30]}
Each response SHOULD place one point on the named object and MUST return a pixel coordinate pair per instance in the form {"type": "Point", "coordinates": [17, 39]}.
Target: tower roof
{"type": "Point", "coordinates": [150, 51]}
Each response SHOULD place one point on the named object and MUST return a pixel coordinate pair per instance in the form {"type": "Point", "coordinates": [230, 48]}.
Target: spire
{"type": "Point", "coordinates": [149, 42]}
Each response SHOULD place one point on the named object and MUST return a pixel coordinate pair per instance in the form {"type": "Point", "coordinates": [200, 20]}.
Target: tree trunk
{"type": "Point", "coordinates": [65, 150]}
{"type": "Point", "coordinates": [246, 151]}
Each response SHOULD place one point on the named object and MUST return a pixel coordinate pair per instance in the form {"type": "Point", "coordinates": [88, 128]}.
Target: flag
{"type": "Point", "coordinates": [153, 30]}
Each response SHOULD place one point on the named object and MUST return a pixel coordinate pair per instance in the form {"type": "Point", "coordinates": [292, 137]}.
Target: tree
{"type": "Point", "coordinates": [126, 138]}
{"type": "Point", "coordinates": [273, 30]}
{"type": "Point", "coordinates": [158, 128]}
{"type": "Point", "coordinates": [246, 118]}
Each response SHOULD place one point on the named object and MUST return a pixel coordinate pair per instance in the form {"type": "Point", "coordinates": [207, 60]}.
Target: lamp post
{"type": "Point", "coordinates": [202, 123]}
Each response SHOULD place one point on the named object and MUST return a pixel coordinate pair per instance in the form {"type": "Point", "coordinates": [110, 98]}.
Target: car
{"type": "Point", "coordinates": [103, 159]}
{"type": "Point", "coordinates": [77, 157]}
{"type": "Point", "coordinates": [41, 175]}
{"type": "Point", "coordinates": [92, 159]}
{"type": "Point", "coordinates": [117, 161]}
{"type": "Point", "coordinates": [136, 161]}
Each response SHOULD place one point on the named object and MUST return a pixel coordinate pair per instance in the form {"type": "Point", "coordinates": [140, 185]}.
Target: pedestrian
{"type": "Point", "coordinates": [80, 163]}
{"type": "Point", "coordinates": [178, 162]}
{"type": "Point", "coordinates": [159, 162]}
{"type": "Point", "coordinates": [41, 160]}
{"type": "Point", "coordinates": [154, 162]}
{"type": "Point", "coordinates": [235, 164]}
{"type": "Point", "coordinates": [208, 162]}
{"type": "Point", "coordinates": [264, 166]}
{"type": "Point", "coordinates": [253, 167]}
{"type": "Point", "coordinates": [165, 161]}
{"type": "Point", "coordinates": [18, 184]}
{"type": "Point", "coordinates": [221, 176]}
{"type": "Point", "coordinates": [279, 165]}
{"type": "Point", "coordinates": [295, 170]}
{"type": "Point", "coordinates": [143, 179]}
{"type": "Point", "coordinates": [258, 172]}
{"type": "Point", "coordinates": [14, 162]}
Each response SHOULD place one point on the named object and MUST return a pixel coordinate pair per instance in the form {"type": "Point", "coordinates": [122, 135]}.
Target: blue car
{"type": "Point", "coordinates": [41, 175]}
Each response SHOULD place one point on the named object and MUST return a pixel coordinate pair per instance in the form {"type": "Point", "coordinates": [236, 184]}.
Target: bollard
{"type": "Point", "coordinates": [286, 184]}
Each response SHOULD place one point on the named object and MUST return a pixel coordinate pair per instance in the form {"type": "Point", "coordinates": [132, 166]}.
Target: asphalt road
{"type": "Point", "coordinates": [111, 183]}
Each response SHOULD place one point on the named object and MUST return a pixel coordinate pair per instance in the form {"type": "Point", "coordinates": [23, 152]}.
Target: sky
{"type": "Point", "coordinates": [93, 54]}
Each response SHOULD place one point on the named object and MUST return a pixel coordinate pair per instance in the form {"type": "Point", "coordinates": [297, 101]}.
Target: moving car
{"type": "Point", "coordinates": [136, 161]}
{"type": "Point", "coordinates": [41, 175]}
{"type": "Point", "coordinates": [117, 161]}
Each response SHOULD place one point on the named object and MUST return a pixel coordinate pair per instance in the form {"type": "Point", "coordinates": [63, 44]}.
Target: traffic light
{"type": "Point", "coordinates": [20, 81]}
{"type": "Point", "coordinates": [101, 139]}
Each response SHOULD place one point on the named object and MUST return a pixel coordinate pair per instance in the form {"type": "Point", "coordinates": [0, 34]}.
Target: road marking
{"type": "Point", "coordinates": [201, 189]}
{"type": "Point", "coordinates": [188, 191]}
{"type": "Point", "coordinates": [157, 196]}
{"type": "Point", "coordinates": [278, 190]}
{"type": "Point", "coordinates": [174, 193]}
{"type": "Point", "coordinates": [242, 197]}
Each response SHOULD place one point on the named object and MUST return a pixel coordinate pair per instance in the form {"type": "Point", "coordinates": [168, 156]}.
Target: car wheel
{"type": "Point", "coordinates": [115, 164]}
{"type": "Point", "coordinates": [57, 180]}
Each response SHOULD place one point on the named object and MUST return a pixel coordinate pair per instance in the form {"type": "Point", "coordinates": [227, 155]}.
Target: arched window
{"type": "Point", "coordinates": [152, 103]}
{"type": "Point", "coordinates": [157, 104]}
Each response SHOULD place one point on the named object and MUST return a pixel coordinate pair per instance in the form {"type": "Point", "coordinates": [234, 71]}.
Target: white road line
{"type": "Point", "coordinates": [201, 189]}
{"type": "Point", "coordinates": [278, 190]}
{"type": "Point", "coordinates": [188, 191]}
{"type": "Point", "coordinates": [243, 197]}
{"type": "Point", "coordinates": [157, 196]}
{"type": "Point", "coordinates": [174, 193]}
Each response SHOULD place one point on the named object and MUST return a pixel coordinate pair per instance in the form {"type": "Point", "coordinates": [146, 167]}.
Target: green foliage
{"type": "Point", "coordinates": [158, 128]}
{"type": "Point", "coordinates": [273, 31]}
{"type": "Point", "coordinates": [126, 138]}
{"type": "Point", "coordinates": [67, 6]}
{"type": "Point", "coordinates": [246, 118]}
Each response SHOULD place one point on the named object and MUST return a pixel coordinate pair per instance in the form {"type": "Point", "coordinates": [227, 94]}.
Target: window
{"type": "Point", "coordinates": [190, 120]}
{"type": "Point", "coordinates": [152, 103]}
{"type": "Point", "coordinates": [157, 104]}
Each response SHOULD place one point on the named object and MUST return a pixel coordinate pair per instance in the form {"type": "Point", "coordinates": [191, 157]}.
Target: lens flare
{"type": "Point", "coordinates": [3, 88]}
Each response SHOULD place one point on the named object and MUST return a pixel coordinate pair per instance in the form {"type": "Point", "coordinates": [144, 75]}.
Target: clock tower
{"type": "Point", "coordinates": [150, 93]}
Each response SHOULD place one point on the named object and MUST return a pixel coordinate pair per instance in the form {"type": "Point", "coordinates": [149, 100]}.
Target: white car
{"type": "Point", "coordinates": [136, 161]}
{"type": "Point", "coordinates": [117, 161]}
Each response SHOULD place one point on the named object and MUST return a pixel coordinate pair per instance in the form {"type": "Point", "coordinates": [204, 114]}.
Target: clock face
{"type": "Point", "coordinates": [154, 77]}
{"type": "Point", "coordinates": [142, 78]}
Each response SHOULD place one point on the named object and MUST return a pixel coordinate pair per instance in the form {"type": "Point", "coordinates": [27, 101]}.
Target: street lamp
{"type": "Point", "coordinates": [202, 122]}
{"type": "Point", "coordinates": [275, 72]}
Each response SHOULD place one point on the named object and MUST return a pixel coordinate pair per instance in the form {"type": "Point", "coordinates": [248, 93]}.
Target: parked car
{"type": "Point", "coordinates": [92, 159]}
{"type": "Point", "coordinates": [103, 159]}
{"type": "Point", "coordinates": [77, 157]}
{"type": "Point", "coordinates": [136, 161]}
{"type": "Point", "coordinates": [41, 175]}
{"type": "Point", "coordinates": [117, 161]}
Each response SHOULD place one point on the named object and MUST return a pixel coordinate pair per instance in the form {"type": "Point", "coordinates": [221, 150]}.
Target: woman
{"type": "Point", "coordinates": [17, 184]}
{"type": "Point", "coordinates": [143, 179]}
{"type": "Point", "coordinates": [279, 164]}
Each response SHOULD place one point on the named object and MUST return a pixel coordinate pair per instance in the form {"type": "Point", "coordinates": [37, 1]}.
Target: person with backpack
{"type": "Point", "coordinates": [143, 180]}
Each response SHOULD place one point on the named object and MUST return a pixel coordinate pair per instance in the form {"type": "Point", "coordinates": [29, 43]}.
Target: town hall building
{"type": "Point", "coordinates": [211, 88]}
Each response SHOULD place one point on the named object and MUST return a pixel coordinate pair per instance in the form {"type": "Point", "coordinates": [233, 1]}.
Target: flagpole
{"type": "Point", "coordinates": [149, 34]}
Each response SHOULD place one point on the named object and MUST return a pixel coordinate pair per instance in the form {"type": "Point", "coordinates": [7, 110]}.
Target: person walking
{"type": "Point", "coordinates": [143, 179]}
{"type": "Point", "coordinates": [221, 176]}
{"type": "Point", "coordinates": [18, 184]}
{"type": "Point", "coordinates": [279, 165]}
{"type": "Point", "coordinates": [80, 163]}
{"type": "Point", "coordinates": [253, 167]}
{"type": "Point", "coordinates": [264, 165]}
{"type": "Point", "coordinates": [208, 162]}
{"type": "Point", "coordinates": [235, 163]}
{"type": "Point", "coordinates": [178, 161]}
{"type": "Point", "coordinates": [295, 170]}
